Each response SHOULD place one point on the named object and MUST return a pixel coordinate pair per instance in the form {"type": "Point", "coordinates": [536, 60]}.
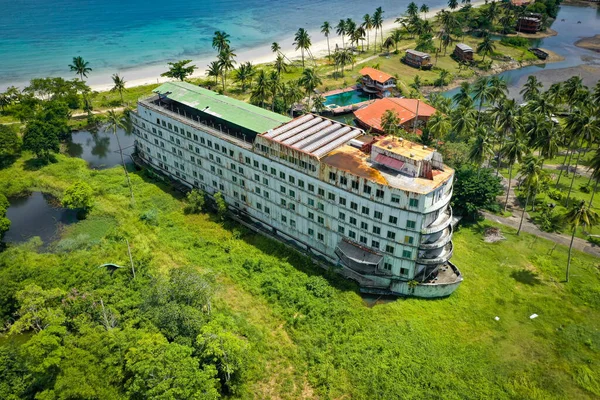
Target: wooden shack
{"type": "Point", "coordinates": [463, 52]}
{"type": "Point", "coordinates": [417, 59]}
{"type": "Point", "coordinates": [529, 24]}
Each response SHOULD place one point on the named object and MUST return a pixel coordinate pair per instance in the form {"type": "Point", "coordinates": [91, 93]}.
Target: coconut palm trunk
{"type": "Point", "coordinates": [510, 168]}
{"type": "Point", "coordinates": [523, 212]}
{"type": "Point", "coordinates": [593, 193]}
{"type": "Point", "coordinates": [573, 178]}
{"type": "Point", "coordinates": [569, 256]}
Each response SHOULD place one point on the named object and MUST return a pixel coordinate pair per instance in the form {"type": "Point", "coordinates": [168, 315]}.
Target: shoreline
{"type": "Point", "coordinates": [589, 43]}
{"type": "Point", "coordinates": [258, 55]}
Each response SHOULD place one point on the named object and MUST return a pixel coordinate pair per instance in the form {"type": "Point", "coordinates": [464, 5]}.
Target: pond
{"type": "Point", "coordinates": [101, 149]}
{"type": "Point", "coordinates": [36, 215]}
{"type": "Point", "coordinates": [579, 22]}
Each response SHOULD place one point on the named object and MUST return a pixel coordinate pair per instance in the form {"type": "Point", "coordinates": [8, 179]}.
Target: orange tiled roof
{"type": "Point", "coordinates": [405, 108]}
{"type": "Point", "coordinates": [375, 74]}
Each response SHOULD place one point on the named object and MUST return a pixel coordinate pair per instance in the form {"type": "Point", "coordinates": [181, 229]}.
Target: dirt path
{"type": "Point", "coordinates": [96, 112]}
{"type": "Point", "coordinates": [529, 227]}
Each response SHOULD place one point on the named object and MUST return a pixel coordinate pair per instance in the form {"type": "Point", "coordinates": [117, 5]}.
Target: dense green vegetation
{"type": "Point", "coordinates": [215, 310]}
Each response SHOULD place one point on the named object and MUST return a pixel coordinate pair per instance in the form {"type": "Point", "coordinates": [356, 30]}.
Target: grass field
{"type": "Point", "coordinates": [328, 343]}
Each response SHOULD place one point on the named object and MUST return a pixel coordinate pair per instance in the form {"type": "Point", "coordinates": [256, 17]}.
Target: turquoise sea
{"type": "Point", "coordinates": [40, 37]}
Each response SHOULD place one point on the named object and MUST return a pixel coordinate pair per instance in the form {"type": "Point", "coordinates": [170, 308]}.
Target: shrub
{"type": "Point", "coordinates": [556, 195]}
{"type": "Point", "coordinates": [195, 202]}
{"type": "Point", "coordinates": [515, 41]}
{"type": "Point", "coordinates": [475, 189]}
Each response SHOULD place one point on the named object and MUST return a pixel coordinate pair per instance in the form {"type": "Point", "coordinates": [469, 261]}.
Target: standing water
{"type": "Point", "coordinates": [101, 149]}
{"type": "Point", "coordinates": [579, 22]}
{"type": "Point", "coordinates": [36, 215]}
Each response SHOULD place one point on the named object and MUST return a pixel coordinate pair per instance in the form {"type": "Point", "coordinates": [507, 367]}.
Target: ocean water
{"type": "Point", "coordinates": [40, 37]}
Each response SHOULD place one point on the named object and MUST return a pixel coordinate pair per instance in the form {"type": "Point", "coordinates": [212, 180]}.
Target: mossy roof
{"type": "Point", "coordinates": [237, 112]}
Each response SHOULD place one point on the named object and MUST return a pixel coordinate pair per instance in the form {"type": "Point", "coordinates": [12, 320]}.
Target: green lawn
{"type": "Point", "coordinates": [328, 343]}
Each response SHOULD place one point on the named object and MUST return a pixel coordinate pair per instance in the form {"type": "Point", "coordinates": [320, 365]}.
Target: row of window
{"type": "Point", "coordinates": [354, 184]}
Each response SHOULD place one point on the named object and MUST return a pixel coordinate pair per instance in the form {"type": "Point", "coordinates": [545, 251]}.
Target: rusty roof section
{"type": "Point", "coordinates": [405, 148]}
{"type": "Point", "coordinates": [375, 74]}
{"type": "Point", "coordinates": [354, 161]}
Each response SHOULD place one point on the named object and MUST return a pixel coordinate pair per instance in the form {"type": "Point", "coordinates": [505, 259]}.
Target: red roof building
{"type": "Point", "coordinates": [377, 82]}
{"type": "Point", "coordinates": [369, 117]}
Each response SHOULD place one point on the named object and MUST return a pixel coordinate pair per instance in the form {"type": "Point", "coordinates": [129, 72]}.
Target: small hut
{"type": "Point", "coordinates": [417, 59]}
{"type": "Point", "coordinates": [463, 52]}
{"type": "Point", "coordinates": [529, 24]}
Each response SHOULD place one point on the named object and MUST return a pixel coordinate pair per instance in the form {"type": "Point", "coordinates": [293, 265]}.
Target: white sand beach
{"type": "Point", "coordinates": [259, 55]}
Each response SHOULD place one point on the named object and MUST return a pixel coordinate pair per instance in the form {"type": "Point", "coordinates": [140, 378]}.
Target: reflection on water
{"type": "Point", "coordinates": [36, 215]}
{"type": "Point", "coordinates": [569, 31]}
{"type": "Point", "coordinates": [100, 149]}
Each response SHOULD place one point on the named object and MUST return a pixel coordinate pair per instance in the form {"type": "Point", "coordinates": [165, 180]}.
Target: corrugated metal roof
{"type": "Point", "coordinates": [464, 47]}
{"type": "Point", "coordinates": [389, 162]}
{"type": "Point", "coordinates": [417, 53]}
{"type": "Point", "coordinates": [313, 134]}
{"type": "Point", "coordinates": [237, 112]}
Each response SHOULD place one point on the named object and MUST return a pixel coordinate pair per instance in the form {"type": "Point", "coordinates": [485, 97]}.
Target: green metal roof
{"type": "Point", "coordinates": [237, 112]}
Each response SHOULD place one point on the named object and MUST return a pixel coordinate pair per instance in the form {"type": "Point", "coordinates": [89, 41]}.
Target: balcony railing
{"type": "Point", "coordinates": [440, 223]}
{"type": "Point", "coordinates": [438, 259]}
{"type": "Point", "coordinates": [439, 242]}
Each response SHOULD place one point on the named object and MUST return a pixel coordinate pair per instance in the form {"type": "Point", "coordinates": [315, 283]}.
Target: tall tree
{"type": "Point", "coordinates": [368, 25]}
{"type": "Point", "coordinates": [220, 41]}
{"type": "Point", "coordinates": [260, 92]}
{"type": "Point", "coordinates": [390, 121]}
{"type": "Point", "coordinates": [452, 4]}
{"type": "Point", "coordinates": [309, 81]}
{"type": "Point", "coordinates": [532, 173]}
{"type": "Point", "coordinates": [80, 67]}
{"type": "Point", "coordinates": [578, 215]}
{"type": "Point", "coordinates": [244, 74]}
{"type": "Point", "coordinates": [302, 41]}
{"type": "Point", "coordinates": [531, 88]}
{"type": "Point", "coordinates": [214, 70]}
{"type": "Point", "coordinates": [226, 60]}
{"type": "Point", "coordinates": [179, 70]}
{"type": "Point", "coordinates": [514, 150]}
{"type": "Point", "coordinates": [119, 85]}
{"type": "Point", "coordinates": [113, 123]}
{"type": "Point", "coordinates": [340, 29]}
{"type": "Point", "coordinates": [481, 149]}
{"type": "Point", "coordinates": [378, 23]}
{"type": "Point", "coordinates": [424, 9]}
{"type": "Point", "coordinates": [326, 30]}
{"type": "Point", "coordinates": [486, 46]}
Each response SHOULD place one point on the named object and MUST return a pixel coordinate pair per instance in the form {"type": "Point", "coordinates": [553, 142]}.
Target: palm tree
{"type": "Point", "coordinates": [119, 85]}
{"type": "Point", "coordinates": [416, 83]}
{"type": "Point", "coordinates": [113, 123]}
{"type": "Point", "coordinates": [463, 121]}
{"type": "Point", "coordinates": [506, 115]}
{"type": "Point", "coordinates": [531, 172]}
{"type": "Point", "coordinates": [439, 125]}
{"type": "Point", "coordinates": [595, 167]}
{"type": "Point", "coordinates": [280, 65]}
{"type": "Point", "coordinates": [547, 138]}
{"type": "Point", "coordinates": [464, 93]}
{"type": "Point", "coordinates": [80, 67]}
{"type": "Point", "coordinates": [389, 122]}
{"type": "Point", "coordinates": [531, 88]}
{"type": "Point", "coordinates": [368, 25]}
{"type": "Point", "coordinates": [244, 73]}
{"type": "Point", "coordinates": [481, 148]}
{"type": "Point", "coordinates": [498, 88]}
{"type": "Point", "coordinates": [214, 70]}
{"type": "Point", "coordinates": [452, 4]}
{"type": "Point", "coordinates": [274, 87]}
{"type": "Point", "coordinates": [260, 92]}
{"type": "Point", "coordinates": [343, 58]}
{"type": "Point", "coordinates": [378, 24]}
{"type": "Point", "coordinates": [350, 29]}
{"type": "Point", "coordinates": [340, 29]}
{"type": "Point", "coordinates": [326, 30]}
{"type": "Point", "coordinates": [396, 36]}
{"type": "Point", "coordinates": [486, 46]}
{"type": "Point", "coordinates": [226, 61]}
{"type": "Point", "coordinates": [514, 150]}
{"type": "Point", "coordinates": [292, 94]}
{"type": "Point", "coordinates": [424, 9]}
{"type": "Point", "coordinates": [585, 124]}
{"type": "Point", "coordinates": [575, 217]}
{"type": "Point", "coordinates": [220, 41]}
{"type": "Point", "coordinates": [482, 92]}
{"type": "Point", "coordinates": [319, 103]}
{"type": "Point", "coordinates": [302, 41]}
{"type": "Point", "coordinates": [309, 81]}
